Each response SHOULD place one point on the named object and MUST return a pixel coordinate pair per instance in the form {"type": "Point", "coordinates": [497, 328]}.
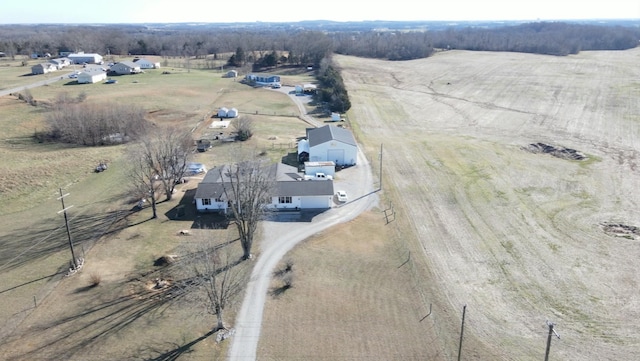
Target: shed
{"type": "Point", "coordinates": [232, 113]}
{"type": "Point", "coordinates": [222, 112]}
{"type": "Point", "coordinates": [232, 74]}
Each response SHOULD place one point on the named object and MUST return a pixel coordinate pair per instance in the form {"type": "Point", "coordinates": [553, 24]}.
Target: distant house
{"type": "Point", "coordinates": [91, 75]}
{"type": "Point", "coordinates": [43, 68]}
{"type": "Point", "coordinates": [291, 191]}
{"type": "Point", "coordinates": [81, 58]}
{"type": "Point", "coordinates": [146, 64]}
{"type": "Point", "coordinates": [125, 68]}
{"type": "Point", "coordinates": [259, 79]}
{"type": "Point", "coordinates": [60, 62]}
{"type": "Point", "coordinates": [331, 143]}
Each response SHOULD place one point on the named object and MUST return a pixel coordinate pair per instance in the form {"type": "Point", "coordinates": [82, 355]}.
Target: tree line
{"type": "Point", "coordinates": [300, 46]}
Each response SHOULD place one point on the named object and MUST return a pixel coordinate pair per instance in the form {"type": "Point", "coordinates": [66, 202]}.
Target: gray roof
{"type": "Point", "coordinates": [92, 71]}
{"type": "Point", "coordinates": [289, 183]}
{"type": "Point", "coordinates": [328, 133]}
{"type": "Point", "coordinates": [129, 64]}
{"type": "Point", "coordinates": [305, 188]}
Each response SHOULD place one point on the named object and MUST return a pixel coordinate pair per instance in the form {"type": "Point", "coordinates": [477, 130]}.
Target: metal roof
{"type": "Point", "coordinates": [328, 133]}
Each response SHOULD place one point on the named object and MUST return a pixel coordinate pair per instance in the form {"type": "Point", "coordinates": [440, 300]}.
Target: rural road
{"type": "Point", "coordinates": [282, 236]}
{"type": "Point", "coordinates": [48, 80]}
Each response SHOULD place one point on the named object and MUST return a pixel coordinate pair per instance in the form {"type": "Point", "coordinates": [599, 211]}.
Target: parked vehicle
{"type": "Point", "coordinates": [318, 176]}
{"type": "Point", "coordinates": [203, 145]}
{"type": "Point", "coordinates": [342, 196]}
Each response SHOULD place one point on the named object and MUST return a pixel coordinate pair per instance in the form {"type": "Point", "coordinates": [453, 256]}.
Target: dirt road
{"type": "Point", "coordinates": [282, 235]}
{"type": "Point", "coordinates": [521, 237]}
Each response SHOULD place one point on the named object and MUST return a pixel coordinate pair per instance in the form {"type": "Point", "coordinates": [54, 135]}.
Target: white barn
{"type": "Point", "coordinates": [331, 143]}
{"type": "Point", "coordinates": [80, 58]}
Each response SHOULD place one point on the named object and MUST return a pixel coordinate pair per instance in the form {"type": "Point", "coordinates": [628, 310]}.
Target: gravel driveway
{"type": "Point", "coordinates": [281, 235]}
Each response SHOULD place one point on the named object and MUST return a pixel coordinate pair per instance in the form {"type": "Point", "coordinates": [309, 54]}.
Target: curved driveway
{"type": "Point", "coordinates": [281, 237]}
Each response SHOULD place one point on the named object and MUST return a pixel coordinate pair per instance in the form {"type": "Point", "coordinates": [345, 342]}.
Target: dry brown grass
{"type": "Point", "coordinates": [119, 319]}
{"type": "Point", "coordinates": [515, 235]}
{"type": "Point", "coordinates": [353, 298]}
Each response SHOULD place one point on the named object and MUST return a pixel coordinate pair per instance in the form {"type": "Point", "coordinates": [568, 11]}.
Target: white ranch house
{"type": "Point", "coordinates": [291, 191]}
{"type": "Point", "coordinates": [332, 144]}
{"type": "Point", "coordinates": [125, 67]}
{"type": "Point", "coordinates": [146, 63]}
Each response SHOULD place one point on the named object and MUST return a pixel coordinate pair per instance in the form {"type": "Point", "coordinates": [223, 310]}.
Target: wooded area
{"type": "Point", "coordinates": [303, 46]}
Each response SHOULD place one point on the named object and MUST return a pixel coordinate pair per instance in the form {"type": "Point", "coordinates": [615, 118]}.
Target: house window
{"type": "Point", "coordinates": [206, 201]}
{"type": "Point", "coordinates": [283, 200]}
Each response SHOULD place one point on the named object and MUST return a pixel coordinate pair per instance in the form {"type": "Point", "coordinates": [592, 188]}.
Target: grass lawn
{"type": "Point", "coordinates": [48, 316]}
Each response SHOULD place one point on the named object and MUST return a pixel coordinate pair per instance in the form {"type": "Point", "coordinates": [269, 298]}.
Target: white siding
{"type": "Point", "coordinates": [341, 153]}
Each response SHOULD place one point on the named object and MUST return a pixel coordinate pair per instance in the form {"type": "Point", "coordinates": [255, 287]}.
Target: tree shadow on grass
{"type": "Point", "coordinates": [49, 236]}
{"type": "Point", "coordinates": [77, 333]}
{"type": "Point", "coordinates": [176, 351]}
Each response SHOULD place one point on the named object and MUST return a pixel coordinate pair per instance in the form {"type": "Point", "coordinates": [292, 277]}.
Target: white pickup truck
{"type": "Point", "coordinates": [318, 176]}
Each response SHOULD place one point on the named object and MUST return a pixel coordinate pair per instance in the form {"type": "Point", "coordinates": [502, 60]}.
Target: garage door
{"type": "Point", "coordinates": [320, 202]}
{"type": "Point", "coordinates": [335, 155]}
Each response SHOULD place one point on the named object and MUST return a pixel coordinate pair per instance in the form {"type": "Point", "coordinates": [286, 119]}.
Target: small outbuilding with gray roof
{"type": "Point", "coordinates": [332, 144]}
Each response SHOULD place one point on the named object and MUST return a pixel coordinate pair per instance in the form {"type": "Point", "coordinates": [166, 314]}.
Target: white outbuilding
{"type": "Point", "coordinates": [232, 113]}
{"type": "Point", "coordinates": [331, 143]}
{"type": "Point", "coordinates": [222, 112]}
{"type": "Point", "coordinates": [91, 75]}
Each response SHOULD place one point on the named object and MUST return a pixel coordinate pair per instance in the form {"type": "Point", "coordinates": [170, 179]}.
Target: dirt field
{"type": "Point", "coordinates": [519, 235]}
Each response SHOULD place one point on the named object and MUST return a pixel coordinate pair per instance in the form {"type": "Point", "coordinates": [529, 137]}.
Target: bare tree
{"type": "Point", "coordinates": [213, 276]}
{"type": "Point", "coordinates": [159, 162]}
{"type": "Point", "coordinates": [220, 277]}
{"type": "Point", "coordinates": [248, 185]}
{"type": "Point", "coordinates": [144, 179]}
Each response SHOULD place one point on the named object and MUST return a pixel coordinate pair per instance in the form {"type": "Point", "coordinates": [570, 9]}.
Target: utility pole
{"type": "Point", "coordinates": [66, 222]}
{"type": "Point", "coordinates": [464, 311]}
{"type": "Point", "coordinates": [380, 181]}
{"type": "Point", "coordinates": [551, 332]}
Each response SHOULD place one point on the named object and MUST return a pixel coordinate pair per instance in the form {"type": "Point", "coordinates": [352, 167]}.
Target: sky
{"type": "Point", "coordinates": [180, 11]}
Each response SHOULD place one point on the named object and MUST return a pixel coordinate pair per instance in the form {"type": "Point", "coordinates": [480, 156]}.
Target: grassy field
{"type": "Point", "coordinates": [48, 316]}
{"type": "Point", "coordinates": [481, 220]}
